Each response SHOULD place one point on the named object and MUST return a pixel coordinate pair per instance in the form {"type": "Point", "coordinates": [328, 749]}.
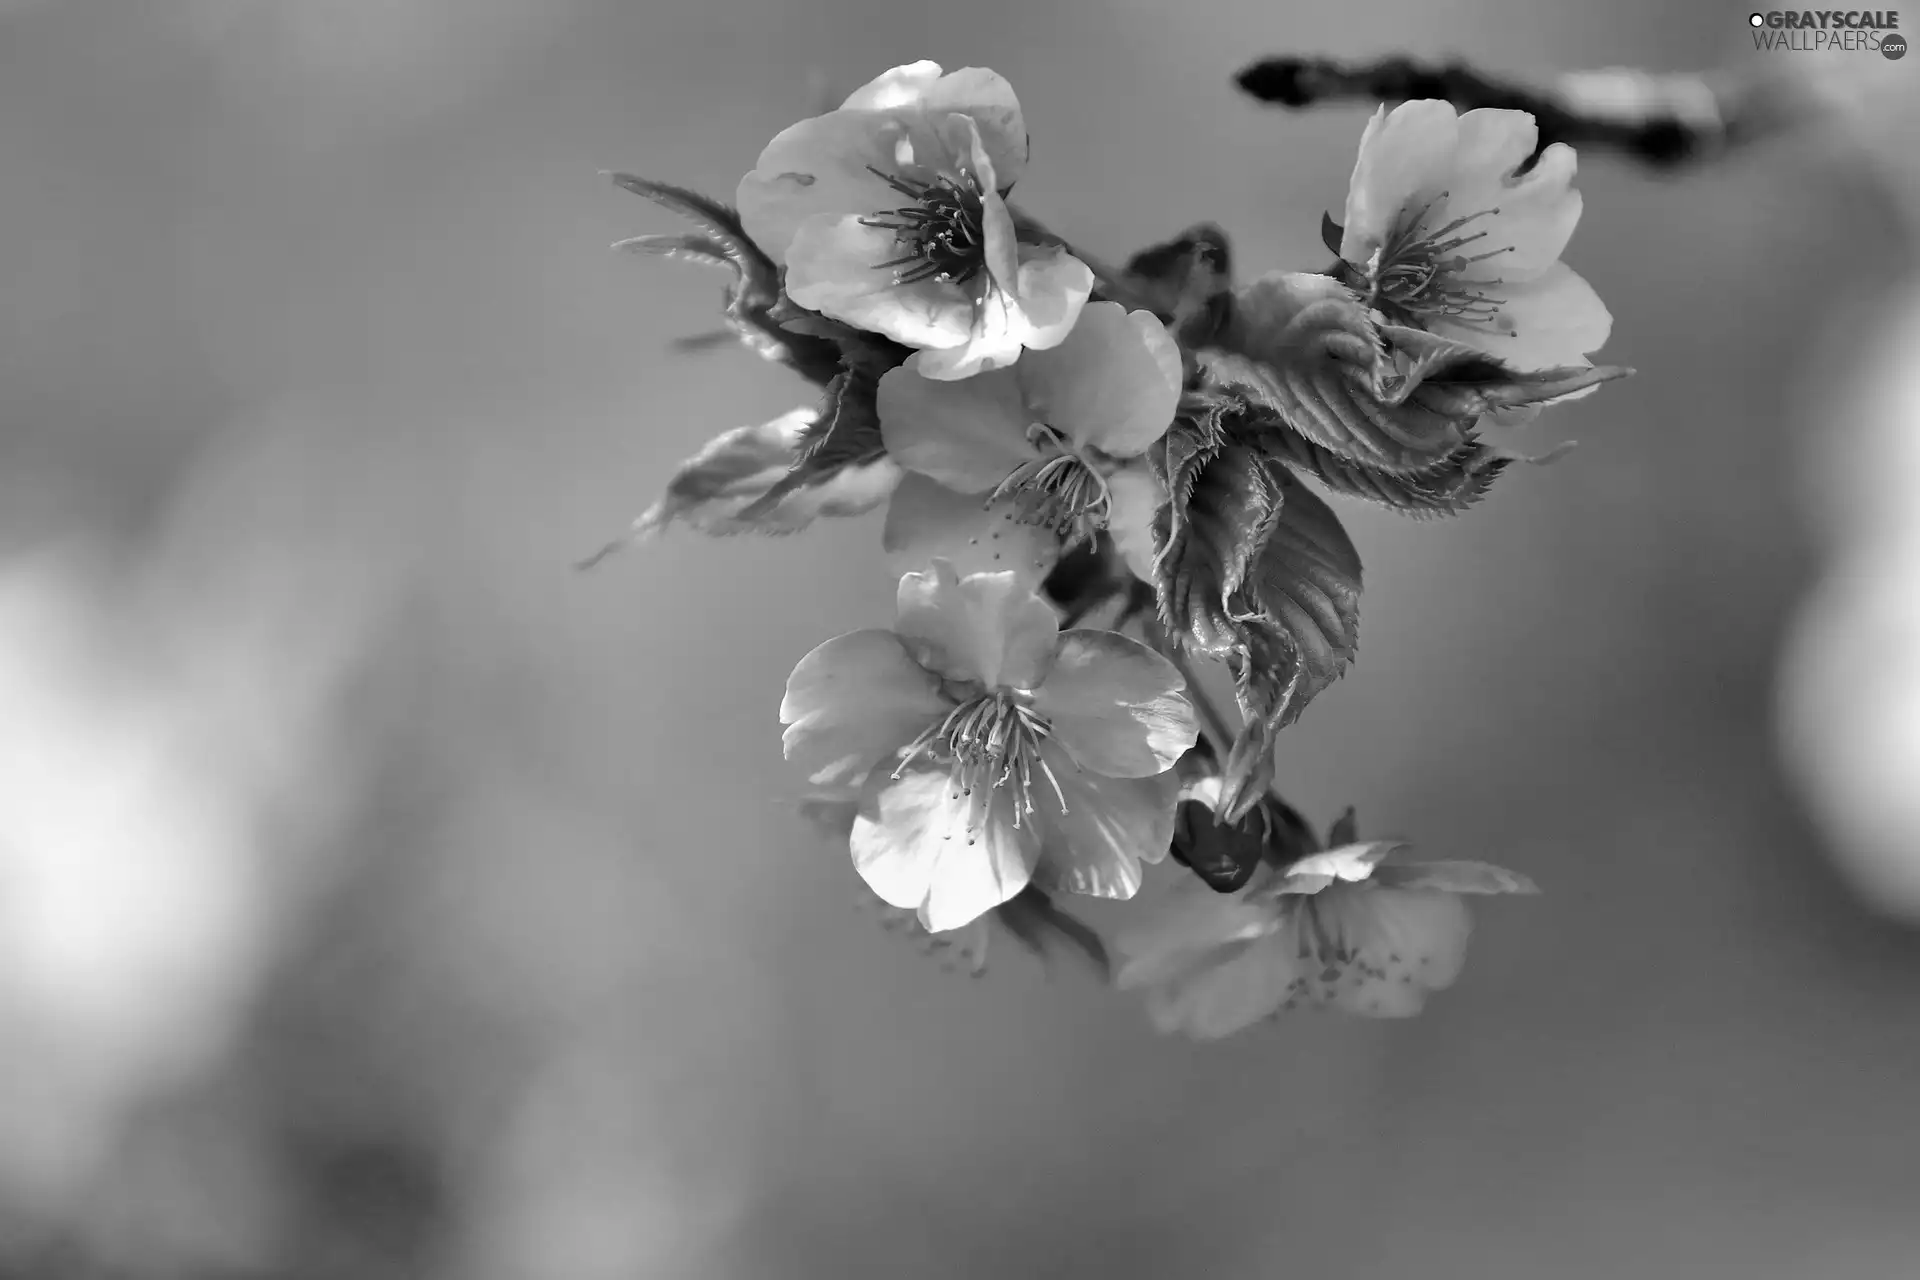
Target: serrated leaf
{"type": "Point", "coordinates": [1219, 517]}
{"type": "Point", "coordinates": [755, 288]}
{"type": "Point", "coordinates": [1460, 381]}
{"type": "Point", "coordinates": [844, 437]}
{"type": "Point", "coordinates": [722, 490]}
{"type": "Point", "coordinates": [1392, 399]}
{"type": "Point", "coordinates": [1299, 626]}
{"type": "Point", "coordinates": [1448, 489]}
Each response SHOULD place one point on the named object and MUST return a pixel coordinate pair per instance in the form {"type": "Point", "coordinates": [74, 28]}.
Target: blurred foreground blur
{"type": "Point", "coordinates": [378, 898]}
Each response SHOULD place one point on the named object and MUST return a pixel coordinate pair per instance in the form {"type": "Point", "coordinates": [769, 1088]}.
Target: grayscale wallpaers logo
{"type": "Point", "coordinates": [1850, 30]}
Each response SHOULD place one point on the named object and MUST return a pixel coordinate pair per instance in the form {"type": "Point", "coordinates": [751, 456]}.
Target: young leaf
{"type": "Point", "coordinates": [1393, 399]}
{"type": "Point", "coordinates": [1448, 489]}
{"type": "Point", "coordinates": [722, 490]}
{"type": "Point", "coordinates": [1216, 523]}
{"type": "Point", "coordinates": [1331, 234]}
{"type": "Point", "coordinates": [844, 437]}
{"type": "Point", "coordinates": [1345, 829]}
{"type": "Point", "coordinates": [1299, 629]}
{"type": "Point", "coordinates": [755, 288]}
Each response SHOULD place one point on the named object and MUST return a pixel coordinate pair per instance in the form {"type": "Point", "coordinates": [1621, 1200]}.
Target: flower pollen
{"type": "Point", "coordinates": [1061, 490]}
{"type": "Point", "coordinates": [991, 740]}
{"type": "Point", "coordinates": [1417, 273]}
{"type": "Point", "coordinates": [940, 232]}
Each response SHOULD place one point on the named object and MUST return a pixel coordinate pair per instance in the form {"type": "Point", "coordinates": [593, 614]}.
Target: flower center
{"type": "Point", "coordinates": [939, 233]}
{"type": "Point", "coordinates": [1416, 274]}
{"type": "Point", "coordinates": [1062, 489]}
{"type": "Point", "coordinates": [1322, 940]}
{"type": "Point", "coordinates": [992, 740]}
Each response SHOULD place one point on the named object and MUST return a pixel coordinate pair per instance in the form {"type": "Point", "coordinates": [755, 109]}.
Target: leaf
{"type": "Point", "coordinates": [1393, 399]}
{"type": "Point", "coordinates": [1345, 829]}
{"type": "Point", "coordinates": [1299, 629]}
{"type": "Point", "coordinates": [1331, 234]}
{"type": "Point", "coordinates": [1220, 515]}
{"type": "Point", "coordinates": [755, 289]}
{"type": "Point", "coordinates": [1189, 282]}
{"type": "Point", "coordinates": [1455, 484]}
{"type": "Point", "coordinates": [1452, 378]}
{"type": "Point", "coordinates": [722, 490]}
{"type": "Point", "coordinates": [844, 437]}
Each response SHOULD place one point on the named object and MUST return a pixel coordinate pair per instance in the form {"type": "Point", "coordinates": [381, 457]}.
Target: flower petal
{"type": "Point", "coordinates": [1534, 215]}
{"type": "Point", "coordinates": [854, 701]}
{"type": "Point", "coordinates": [1348, 862]}
{"type": "Point", "coordinates": [1135, 495]}
{"type": "Point", "coordinates": [922, 845]}
{"type": "Point", "coordinates": [1112, 384]}
{"type": "Point", "coordinates": [983, 95]}
{"type": "Point", "coordinates": [902, 86]}
{"type": "Point", "coordinates": [1494, 141]}
{"type": "Point", "coordinates": [969, 435]}
{"type": "Point", "coordinates": [1553, 321]}
{"type": "Point", "coordinates": [1108, 828]}
{"type": "Point", "coordinates": [818, 168]}
{"type": "Point", "coordinates": [1404, 943]}
{"type": "Point", "coordinates": [989, 628]}
{"type": "Point", "coordinates": [1454, 877]}
{"type": "Point", "coordinates": [1053, 287]}
{"type": "Point", "coordinates": [1000, 247]}
{"type": "Point", "coordinates": [1405, 154]}
{"type": "Point", "coordinates": [927, 521]}
{"type": "Point", "coordinates": [1187, 931]}
{"type": "Point", "coordinates": [833, 267]}
{"type": "Point", "coordinates": [1239, 986]}
{"type": "Point", "coordinates": [1115, 706]}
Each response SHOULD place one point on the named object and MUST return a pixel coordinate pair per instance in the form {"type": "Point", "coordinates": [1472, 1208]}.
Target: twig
{"type": "Point", "coordinates": [1663, 122]}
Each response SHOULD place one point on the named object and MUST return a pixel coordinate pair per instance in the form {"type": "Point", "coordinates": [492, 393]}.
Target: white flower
{"type": "Point", "coordinates": [890, 214]}
{"type": "Point", "coordinates": [1051, 433]}
{"type": "Point", "coordinates": [990, 749]}
{"type": "Point", "coordinates": [1345, 928]}
{"type": "Point", "coordinates": [1443, 234]}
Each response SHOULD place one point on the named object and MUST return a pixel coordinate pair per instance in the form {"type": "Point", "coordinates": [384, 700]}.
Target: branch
{"type": "Point", "coordinates": [1661, 121]}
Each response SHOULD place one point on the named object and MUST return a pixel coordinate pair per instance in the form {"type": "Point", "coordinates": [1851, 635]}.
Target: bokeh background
{"type": "Point", "coordinates": [380, 898]}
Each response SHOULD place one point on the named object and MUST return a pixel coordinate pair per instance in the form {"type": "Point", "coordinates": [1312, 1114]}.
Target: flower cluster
{"type": "Point", "coordinates": [1056, 441]}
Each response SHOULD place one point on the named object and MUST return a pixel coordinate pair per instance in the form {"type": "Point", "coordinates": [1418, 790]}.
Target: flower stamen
{"type": "Point", "coordinates": [941, 232]}
{"type": "Point", "coordinates": [990, 741]}
{"type": "Point", "coordinates": [1061, 490]}
{"type": "Point", "coordinates": [1416, 275]}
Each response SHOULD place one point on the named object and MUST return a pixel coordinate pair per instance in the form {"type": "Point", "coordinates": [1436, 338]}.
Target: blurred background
{"type": "Point", "coordinates": [380, 898]}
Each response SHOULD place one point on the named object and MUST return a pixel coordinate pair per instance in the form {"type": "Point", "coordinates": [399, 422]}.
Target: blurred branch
{"type": "Point", "coordinates": [1661, 121]}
